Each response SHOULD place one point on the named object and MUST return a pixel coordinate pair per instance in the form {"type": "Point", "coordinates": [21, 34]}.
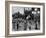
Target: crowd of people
{"type": "Point", "coordinates": [27, 21]}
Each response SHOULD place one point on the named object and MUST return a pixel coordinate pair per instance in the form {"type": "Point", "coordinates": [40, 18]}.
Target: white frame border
{"type": "Point", "coordinates": [24, 32]}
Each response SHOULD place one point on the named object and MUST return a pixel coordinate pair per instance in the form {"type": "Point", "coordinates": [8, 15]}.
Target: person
{"type": "Point", "coordinates": [29, 26]}
{"type": "Point", "coordinates": [25, 25]}
{"type": "Point", "coordinates": [17, 25]}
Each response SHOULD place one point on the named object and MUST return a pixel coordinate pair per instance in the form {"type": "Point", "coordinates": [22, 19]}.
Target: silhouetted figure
{"type": "Point", "coordinates": [36, 26]}
{"type": "Point", "coordinates": [17, 26]}
{"type": "Point", "coordinates": [25, 26]}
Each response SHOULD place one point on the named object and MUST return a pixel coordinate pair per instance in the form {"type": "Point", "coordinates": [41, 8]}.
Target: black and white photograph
{"type": "Point", "coordinates": [25, 18]}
